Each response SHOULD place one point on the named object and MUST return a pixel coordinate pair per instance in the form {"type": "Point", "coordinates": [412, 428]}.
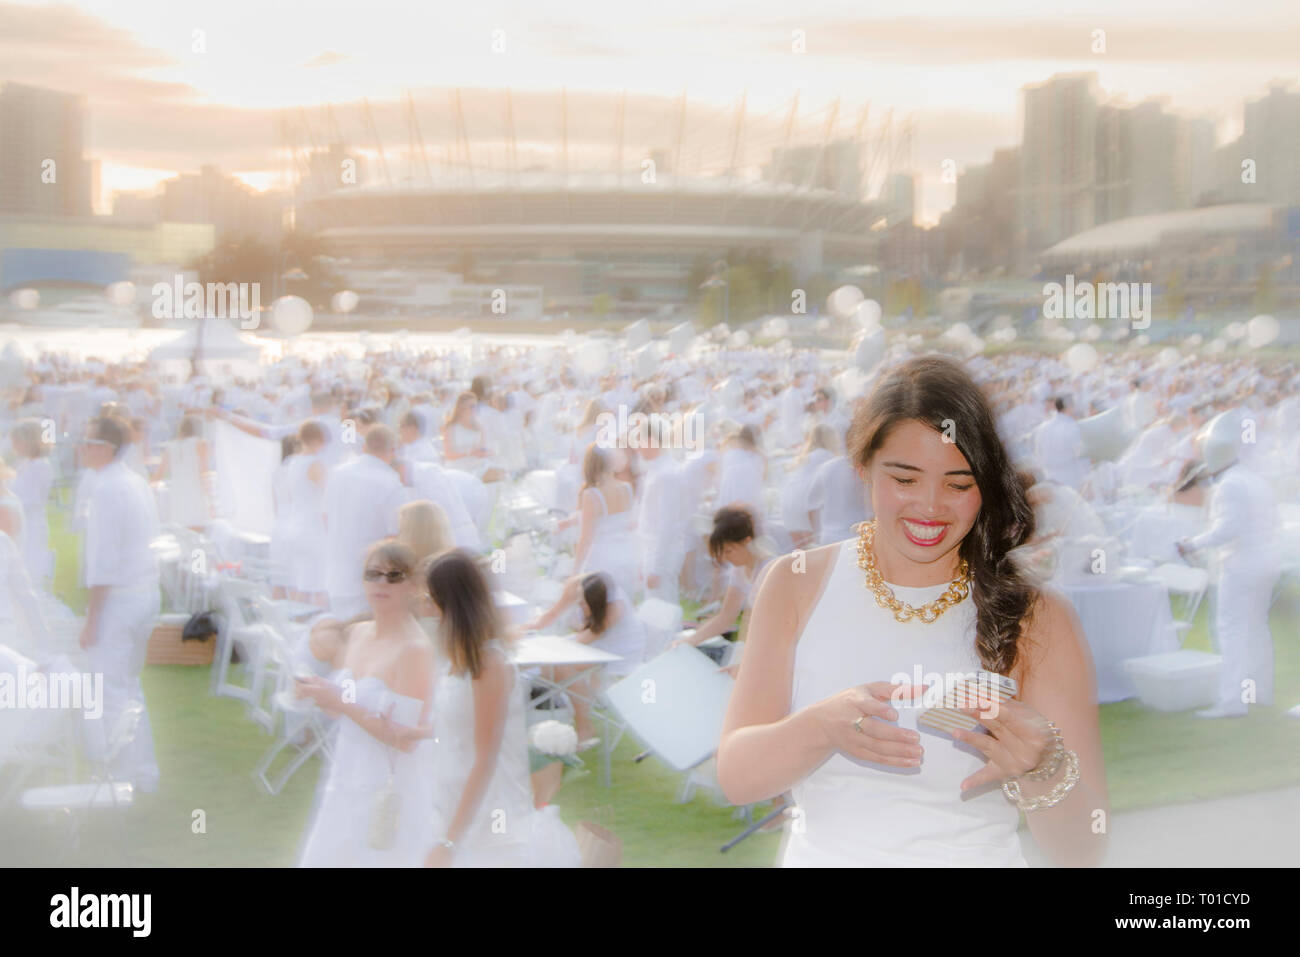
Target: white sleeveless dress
{"type": "Point", "coordinates": [340, 833]}
{"type": "Point", "coordinates": [305, 527]}
{"type": "Point", "coordinates": [854, 813]}
{"type": "Point", "coordinates": [625, 638]}
{"type": "Point", "coordinates": [507, 831]}
{"type": "Point", "coordinates": [186, 504]}
{"type": "Point", "coordinates": [614, 547]}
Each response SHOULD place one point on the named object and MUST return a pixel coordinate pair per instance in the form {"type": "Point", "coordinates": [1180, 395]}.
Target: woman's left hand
{"type": "Point", "coordinates": [326, 696]}
{"type": "Point", "coordinates": [1018, 741]}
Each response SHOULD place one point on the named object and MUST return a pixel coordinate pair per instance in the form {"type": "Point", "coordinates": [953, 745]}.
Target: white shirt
{"type": "Point", "coordinates": [1058, 446]}
{"type": "Point", "coordinates": [121, 521]}
{"type": "Point", "coordinates": [432, 483]}
{"type": "Point", "coordinates": [841, 498]}
{"type": "Point", "coordinates": [362, 498]}
{"type": "Point", "coordinates": [1243, 515]}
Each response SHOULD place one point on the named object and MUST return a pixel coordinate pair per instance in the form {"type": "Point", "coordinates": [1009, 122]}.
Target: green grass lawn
{"type": "Point", "coordinates": [207, 749]}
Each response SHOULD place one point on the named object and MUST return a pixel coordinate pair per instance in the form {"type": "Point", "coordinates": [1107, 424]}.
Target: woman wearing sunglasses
{"type": "Point", "coordinates": [382, 766]}
{"type": "Point", "coordinates": [484, 789]}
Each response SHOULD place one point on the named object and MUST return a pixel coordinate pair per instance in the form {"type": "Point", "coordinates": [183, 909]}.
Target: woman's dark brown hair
{"type": "Point", "coordinates": [595, 592]}
{"type": "Point", "coordinates": [732, 524]}
{"type": "Point", "coordinates": [940, 394]}
{"type": "Point", "coordinates": [469, 616]}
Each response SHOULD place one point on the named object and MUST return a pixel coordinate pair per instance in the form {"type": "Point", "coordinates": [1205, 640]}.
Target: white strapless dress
{"type": "Point", "coordinates": [508, 830]}
{"type": "Point", "coordinates": [615, 549]}
{"type": "Point", "coordinates": [340, 832]}
{"type": "Point", "coordinates": [858, 814]}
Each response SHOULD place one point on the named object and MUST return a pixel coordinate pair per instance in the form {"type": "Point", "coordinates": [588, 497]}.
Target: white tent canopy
{"type": "Point", "coordinates": [221, 342]}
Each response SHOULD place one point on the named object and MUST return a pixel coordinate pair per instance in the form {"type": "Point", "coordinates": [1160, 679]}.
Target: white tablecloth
{"type": "Point", "coordinates": [1121, 620]}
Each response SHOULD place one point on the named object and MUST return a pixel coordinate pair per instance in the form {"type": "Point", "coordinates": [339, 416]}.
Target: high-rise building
{"type": "Point", "coordinates": [899, 196]}
{"type": "Point", "coordinates": [1058, 159]}
{"type": "Point", "coordinates": [236, 210]}
{"type": "Point", "coordinates": [43, 169]}
{"type": "Point", "coordinates": [1144, 160]}
{"type": "Point", "coordinates": [1271, 137]}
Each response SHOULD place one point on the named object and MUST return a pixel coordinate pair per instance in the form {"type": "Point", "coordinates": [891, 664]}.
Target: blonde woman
{"type": "Point", "coordinates": [382, 695]}
{"type": "Point", "coordinates": [422, 527]}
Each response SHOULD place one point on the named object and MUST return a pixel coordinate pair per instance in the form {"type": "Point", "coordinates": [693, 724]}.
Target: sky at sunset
{"type": "Point", "coordinates": [162, 98]}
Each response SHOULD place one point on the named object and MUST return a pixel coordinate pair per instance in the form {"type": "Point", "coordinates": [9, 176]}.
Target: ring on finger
{"type": "Point", "coordinates": [857, 725]}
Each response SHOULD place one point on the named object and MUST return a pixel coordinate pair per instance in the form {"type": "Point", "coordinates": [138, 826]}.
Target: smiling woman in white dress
{"type": "Point", "coordinates": [382, 695]}
{"type": "Point", "coordinates": [822, 706]}
{"type": "Point", "coordinates": [485, 792]}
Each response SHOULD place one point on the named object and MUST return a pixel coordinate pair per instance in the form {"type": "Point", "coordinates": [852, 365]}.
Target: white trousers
{"type": "Point", "coordinates": [1244, 595]}
{"type": "Point", "coordinates": [125, 624]}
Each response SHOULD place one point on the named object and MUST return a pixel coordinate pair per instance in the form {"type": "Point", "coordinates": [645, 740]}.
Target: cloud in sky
{"type": "Point", "coordinates": [328, 58]}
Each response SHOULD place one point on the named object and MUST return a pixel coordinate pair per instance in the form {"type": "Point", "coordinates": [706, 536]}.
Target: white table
{"type": "Point", "coordinates": [1121, 619]}
{"type": "Point", "coordinates": [676, 704]}
{"type": "Point", "coordinates": [549, 651]}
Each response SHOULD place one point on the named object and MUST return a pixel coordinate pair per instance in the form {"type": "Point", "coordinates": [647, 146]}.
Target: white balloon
{"type": "Point", "coordinates": [869, 350]}
{"type": "Point", "coordinates": [867, 315]}
{"type": "Point", "coordinates": [1260, 331]}
{"type": "Point", "coordinates": [1167, 356]}
{"type": "Point", "coordinates": [344, 301]}
{"type": "Point", "coordinates": [25, 298]}
{"type": "Point", "coordinates": [120, 293]}
{"type": "Point", "coordinates": [1092, 333]}
{"type": "Point", "coordinates": [1235, 330]}
{"type": "Point", "coordinates": [776, 328]}
{"type": "Point", "coordinates": [822, 325]}
{"type": "Point", "coordinates": [843, 301]}
{"type": "Point", "coordinates": [739, 339]}
{"type": "Point", "coordinates": [291, 315]}
{"type": "Point", "coordinates": [1215, 347]}
{"type": "Point", "coordinates": [1195, 339]}
{"type": "Point", "coordinates": [1081, 357]}
{"type": "Point", "coordinates": [592, 357]}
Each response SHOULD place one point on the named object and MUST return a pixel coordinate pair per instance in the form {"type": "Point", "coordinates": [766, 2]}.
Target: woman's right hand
{"type": "Point", "coordinates": [857, 722]}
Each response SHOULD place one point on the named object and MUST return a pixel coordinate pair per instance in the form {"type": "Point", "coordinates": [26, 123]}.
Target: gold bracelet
{"type": "Point", "coordinates": [1053, 797]}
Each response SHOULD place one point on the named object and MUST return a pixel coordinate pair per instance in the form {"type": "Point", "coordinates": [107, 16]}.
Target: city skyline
{"type": "Point", "coordinates": [157, 105]}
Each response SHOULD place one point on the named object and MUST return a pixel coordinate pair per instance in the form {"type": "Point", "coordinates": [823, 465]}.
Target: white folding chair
{"type": "Point", "coordinates": [240, 628]}
{"type": "Point", "coordinates": [1186, 585]}
{"type": "Point", "coordinates": [302, 727]}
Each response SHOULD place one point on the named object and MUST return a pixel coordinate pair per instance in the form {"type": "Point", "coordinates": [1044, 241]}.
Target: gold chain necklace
{"type": "Point", "coordinates": [958, 588]}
